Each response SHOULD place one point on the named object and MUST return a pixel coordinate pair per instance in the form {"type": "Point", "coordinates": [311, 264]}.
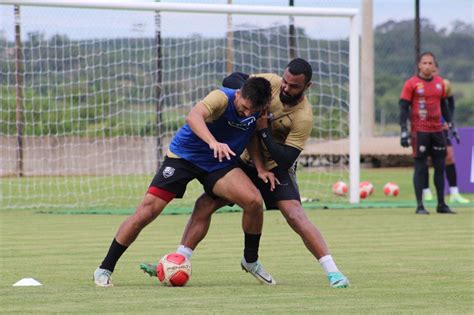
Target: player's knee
{"type": "Point", "coordinates": [253, 203]}
{"type": "Point", "coordinates": [205, 206]}
{"type": "Point", "coordinates": [146, 212]}
{"type": "Point", "coordinates": [296, 217]}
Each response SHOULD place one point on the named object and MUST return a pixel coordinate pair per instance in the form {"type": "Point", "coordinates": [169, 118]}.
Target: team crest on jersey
{"type": "Point", "coordinates": [422, 148]}
{"type": "Point", "coordinates": [420, 89]}
{"type": "Point", "coordinates": [168, 171]}
{"type": "Point", "coordinates": [438, 86]}
{"type": "Point", "coordinates": [243, 124]}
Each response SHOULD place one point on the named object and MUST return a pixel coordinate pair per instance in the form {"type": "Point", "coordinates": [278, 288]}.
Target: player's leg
{"type": "Point", "coordinates": [195, 230]}
{"type": "Point", "coordinates": [236, 187]}
{"type": "Point", "coordinates": [286, 197]}
{"type": "Point", "coordinates": [420, 142]}
{"type": "Point", "coordinates": [451, 175]}
{"type": "Point", "coordinates": [166, 185]}
{"type": "Point", "coordinates": [438, 154]}
{"type": "Point", "coordinates": [199, 222]}
{"type": "Point", "coordinates": [313, 240]}
{"type": "Point", "coordinates": [427, 194]}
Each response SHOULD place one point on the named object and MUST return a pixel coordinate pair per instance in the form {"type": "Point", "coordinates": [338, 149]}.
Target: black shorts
{"type": "Point", "coordinates": [175, 174]}
{"type": "Point", "coordinates": [286, 190]}
{"type": "Point", "coordinates": [428, 143]}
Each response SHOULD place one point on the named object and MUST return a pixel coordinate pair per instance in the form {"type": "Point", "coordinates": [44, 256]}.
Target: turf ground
{"type": "Point", "coordinates": [397, 263]}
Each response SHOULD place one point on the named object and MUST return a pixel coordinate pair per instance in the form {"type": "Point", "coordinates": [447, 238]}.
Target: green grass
{"type": "Point", "coordinates": [397, 262]}
{"type": "Point", "coordinates": [121, 194]}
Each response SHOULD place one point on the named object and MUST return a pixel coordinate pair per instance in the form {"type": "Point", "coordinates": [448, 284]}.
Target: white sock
{"type": "Point", "coordinates": [426, 191]}
{"type": "Point", "coordinates": [185, 251]}
{"type": "Point", "coordinates": [328, 264]}
{"type": "Point", "coordinates": [453, 190]}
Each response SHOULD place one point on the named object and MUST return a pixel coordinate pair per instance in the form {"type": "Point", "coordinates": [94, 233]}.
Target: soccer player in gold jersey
{"type": "Point", "coordinates": [282, 132]}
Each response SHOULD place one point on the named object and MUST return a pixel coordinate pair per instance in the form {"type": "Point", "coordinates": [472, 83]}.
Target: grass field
{"type": "Point", "coordinates": [397, 263]}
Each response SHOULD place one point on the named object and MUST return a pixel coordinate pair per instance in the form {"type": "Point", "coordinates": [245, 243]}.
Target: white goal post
{"type": "Point", "coordinates": [83, 101]}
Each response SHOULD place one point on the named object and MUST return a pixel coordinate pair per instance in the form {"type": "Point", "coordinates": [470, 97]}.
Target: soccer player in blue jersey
{"type": "Point", "coordinates": [206, 148]}
{"type": "Point", "coordinates": [282, 133]}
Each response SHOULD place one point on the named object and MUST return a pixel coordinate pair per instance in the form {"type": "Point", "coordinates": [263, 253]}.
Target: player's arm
{"type": "Point", "coordinates": [404, 114]}
{"type": "Point", "coordinates": [284, 155]}
{"type": "Point", "coordinates": [196, 119]}
{"type": "Point", "coordinates": [451, 105]}
{"type": "Point", "coordinates": [446, 112]}
{"type": "Point", "coordinates": [256, 156]}
{"type": "Point", "coordinates": [235, 80]}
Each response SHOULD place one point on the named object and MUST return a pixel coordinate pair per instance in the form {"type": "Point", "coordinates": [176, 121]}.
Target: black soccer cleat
{"type": "Point", "coordinates": [444, 209]}
{"type": "Point", "coordinates": [421, 210]}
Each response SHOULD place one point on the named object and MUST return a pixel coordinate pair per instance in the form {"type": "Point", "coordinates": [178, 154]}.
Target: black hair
{"type": "Point", "coordinates": [427, 53]}
{"type": "Point", "coordinates": [299, 66]}
{"type": "Point", "coordinates": [258, 91]}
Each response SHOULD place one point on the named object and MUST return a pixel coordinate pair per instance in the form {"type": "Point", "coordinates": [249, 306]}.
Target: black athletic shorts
{"type": "Point", "coordinates": [286, 190]}
{"type": "Point", "coordinates": [428, 144]}
{"type": "Point", "coordinates": [175, 174]}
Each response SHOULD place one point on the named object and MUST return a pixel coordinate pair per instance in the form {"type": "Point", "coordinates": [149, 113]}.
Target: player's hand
{"type": "Point", "coordinates": [404, 140]}
{"type": "Point", "coordinates": [269, 177]}
{"type": "Point", "coordinates": [456, 135]}
{"type": "Point", "coordinates": [221, 150]}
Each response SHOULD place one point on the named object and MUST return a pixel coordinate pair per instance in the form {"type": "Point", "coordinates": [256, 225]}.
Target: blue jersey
{"type": "Point", "coordinates": [229, 128]}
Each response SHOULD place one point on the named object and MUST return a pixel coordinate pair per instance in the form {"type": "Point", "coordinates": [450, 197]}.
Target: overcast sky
{"type": "Point", "coordinates": [97, 23]}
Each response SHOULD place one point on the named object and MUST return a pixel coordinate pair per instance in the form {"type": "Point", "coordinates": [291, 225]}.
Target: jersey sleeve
{"type": "Point", "coordinates": [299, 133]}
{"type": "Point", "coordinates": [407, 91]}
{"type": "Point", "coordinates": [216, 102]}
{"type": "Point", "coordinates": [444, 93]}
{"type": "Point", "coordinates": [447, 88]}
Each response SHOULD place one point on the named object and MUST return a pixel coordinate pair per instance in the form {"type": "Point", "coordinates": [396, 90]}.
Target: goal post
{"type": "Point", "coordinates": [94, 80]}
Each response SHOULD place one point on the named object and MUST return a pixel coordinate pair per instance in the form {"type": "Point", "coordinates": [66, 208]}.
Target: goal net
{"type": "Point", "coordinates": [91, 96]}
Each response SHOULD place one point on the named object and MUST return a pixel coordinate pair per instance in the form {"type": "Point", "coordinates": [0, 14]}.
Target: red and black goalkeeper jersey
{"type": "Point", "coordinates": [425, 97]}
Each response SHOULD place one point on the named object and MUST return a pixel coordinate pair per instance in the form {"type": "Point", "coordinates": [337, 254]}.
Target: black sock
{"type": "Point", "coordinates": [451, 175]}
{"type": "Point", "coordinates": [115, 251]}
{"type": "Point", "coordinates": [419, 180]}
{"type": "Point", "coordinates": [438, 164]}
{"type": "Point", "coordinates": [252, 242]}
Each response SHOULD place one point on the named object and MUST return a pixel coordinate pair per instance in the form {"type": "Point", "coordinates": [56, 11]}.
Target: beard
{"type": "Point", "coordinates": [291, 100]}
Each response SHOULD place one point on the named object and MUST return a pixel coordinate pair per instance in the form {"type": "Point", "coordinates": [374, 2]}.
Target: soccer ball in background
{"type": "Point", "coordinates": [390, 189]}
{"type": "Point", "coordinates": [365, 189]}
{"type": "Point", "coordinates": [174, 270]}
{"type": "Point", "coordinates": [339, 188]}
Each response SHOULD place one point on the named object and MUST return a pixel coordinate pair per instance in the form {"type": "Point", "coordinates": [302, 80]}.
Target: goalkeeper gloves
{"type": "Point", "coordinates": [404, 138]}
{"type": "Point", "coordinates": [454, 133]}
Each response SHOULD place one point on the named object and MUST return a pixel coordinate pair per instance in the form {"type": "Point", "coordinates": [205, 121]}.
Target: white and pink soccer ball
{"type": "Point", "coordinates": [391, 189]}
{"type": "Point", "coordinates": [174, 270]}
{"type": "Point", "coordinates": [365, 189]}
{"type": "Point", "coordinates": [339, 188]}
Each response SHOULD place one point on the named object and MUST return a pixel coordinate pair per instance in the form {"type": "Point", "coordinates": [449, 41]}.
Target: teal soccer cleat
{"type": "Point", "coordinates": [150, 269]}
{"type": "Point", "coordinates": [338, 280]}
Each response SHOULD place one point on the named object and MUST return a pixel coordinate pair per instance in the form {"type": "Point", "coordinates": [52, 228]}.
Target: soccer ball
{"type": "Point", "coordinates": [390, 189]}
{"type": "Point", "coordinates": [365, 189]}
{"type": "Point", "coordinates": [174, 270]}
{"type": "Point", "coordinates": [339, 188]}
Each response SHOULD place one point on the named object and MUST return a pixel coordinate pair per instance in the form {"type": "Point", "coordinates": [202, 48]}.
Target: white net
{"type": "Point", "coordinates": [103, 91]}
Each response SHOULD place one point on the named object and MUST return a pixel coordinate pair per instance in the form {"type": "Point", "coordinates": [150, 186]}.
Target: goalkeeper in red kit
{"type": "Point", "coordinates": [423, 101]}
